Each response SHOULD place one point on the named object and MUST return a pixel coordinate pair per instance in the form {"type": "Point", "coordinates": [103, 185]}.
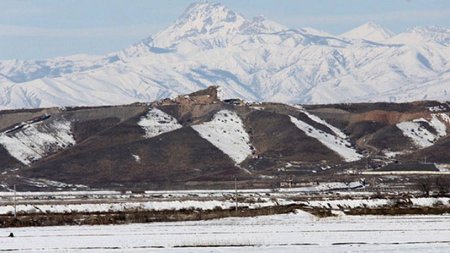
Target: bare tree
{"type": "Point", "coordinates": [425, 185]}
{"type": "Point", "coordinates": [443, 184]}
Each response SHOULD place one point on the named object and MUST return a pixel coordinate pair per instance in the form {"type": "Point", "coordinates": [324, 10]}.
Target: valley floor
{"type": "Point", "coordinates": [295, 232]}
{"type": "Point", "coordinates": [112, 207]}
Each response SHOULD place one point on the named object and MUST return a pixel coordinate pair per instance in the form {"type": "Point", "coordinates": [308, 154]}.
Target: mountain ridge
{"type": "Point", "coordinates": [369, 31]}
{"type": "Point", "coordinates": [253, 59]}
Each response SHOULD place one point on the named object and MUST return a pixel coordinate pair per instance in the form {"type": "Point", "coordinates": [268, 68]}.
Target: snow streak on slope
{"type": "Point", "coordinates": [336, 143]}
{"type": "Point", "coordinates": [157, 122]}
{"type": "Point", "coordinates": [420, 135]}
{"type": "Point", "coordinates": [34, 141]}
{"type": "Point", "coordinates": [226, 132]}
{"type": "Point", "coordinates": [335, 130]}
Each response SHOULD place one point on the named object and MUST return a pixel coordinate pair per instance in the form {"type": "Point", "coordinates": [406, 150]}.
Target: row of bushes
{"type": "Point", "coordinates": [139, 216]}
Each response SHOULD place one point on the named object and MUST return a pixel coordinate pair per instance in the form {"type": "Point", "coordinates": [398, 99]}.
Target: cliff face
{"type": "Point", "coordinates": [198, 140]}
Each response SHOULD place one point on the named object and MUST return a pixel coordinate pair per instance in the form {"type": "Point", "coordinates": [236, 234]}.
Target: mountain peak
{"type": "Point", "coordinates": [372, 25]}
{"type": "Point", "coordinates": [201, 19]}
{"type": "Point", "coordinates": [369, 31]}
{"type": "Point", "coordinates": [207, 13]}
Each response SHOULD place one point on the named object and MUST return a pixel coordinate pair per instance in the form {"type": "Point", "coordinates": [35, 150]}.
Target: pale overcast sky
{"type": "Point", "coordinates": [37, 29]}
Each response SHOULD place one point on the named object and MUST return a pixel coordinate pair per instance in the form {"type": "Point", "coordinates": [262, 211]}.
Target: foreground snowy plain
{"type": "Point", "coordinates": [299, 232]}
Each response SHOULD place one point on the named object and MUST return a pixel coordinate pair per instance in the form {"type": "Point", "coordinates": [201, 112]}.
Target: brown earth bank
{"type": "Point", "coordinates": [111, 149]}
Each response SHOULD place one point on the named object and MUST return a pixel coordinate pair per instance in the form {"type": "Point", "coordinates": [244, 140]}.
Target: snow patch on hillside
{"type": "Point", "coordinates": [335, 130]}
{"type": "Point", "coordinates": [444, 117]}
{"type": "Point", "coordinates": [157, 122]}
{"type": "Point", "coordinates": [421, 136]}
{"type": "Point", "coordinates": [313, 117]}
{"type": "Point", "coordinates": [338, 143]}
{"type": "Point", "coordinates": [438, 108]}
{"type": "Point", "coordinates": [136, 158]}
{"type": "Point", "coordinates": [34, 141]}
{"type": "Point", "coordinates": [440, 126]}
{"type": "Point", "coordinates": [226, 132]}
{"type": "Point", "coordinates": [43, 183]}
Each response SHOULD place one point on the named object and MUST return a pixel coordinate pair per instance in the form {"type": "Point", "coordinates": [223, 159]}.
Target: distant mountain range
{"type": "Point", "coordinates": [253, 59]}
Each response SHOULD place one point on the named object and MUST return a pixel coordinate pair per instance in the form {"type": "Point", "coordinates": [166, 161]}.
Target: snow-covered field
{"type": "Point", "coordinates": [298, 232]}
{"type": "Point", "coordinates": [29, 204]}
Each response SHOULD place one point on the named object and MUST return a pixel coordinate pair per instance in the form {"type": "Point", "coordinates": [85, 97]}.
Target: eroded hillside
{"type": "Point", "coordinates": [199, 140]}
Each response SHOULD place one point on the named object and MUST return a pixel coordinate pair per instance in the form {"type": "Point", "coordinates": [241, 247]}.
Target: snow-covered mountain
{"type": "Point", "coordinates": [255, 59]}
{"type": "Point", "coordinates": [369, 31]}
{"type": "Point", "coordinates": [429, 34]}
